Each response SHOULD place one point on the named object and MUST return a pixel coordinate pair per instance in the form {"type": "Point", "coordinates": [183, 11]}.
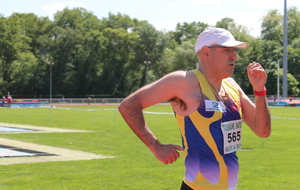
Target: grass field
{"type": "Point", "coordinates": [266, 164]}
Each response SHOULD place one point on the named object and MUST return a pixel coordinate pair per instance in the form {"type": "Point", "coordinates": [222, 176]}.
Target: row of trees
{"type": "Point", "coordinates": [94, 57]}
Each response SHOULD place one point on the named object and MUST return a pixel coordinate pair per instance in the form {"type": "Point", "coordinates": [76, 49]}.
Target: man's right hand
{"type": "Point", "coordinates": [166, 153]}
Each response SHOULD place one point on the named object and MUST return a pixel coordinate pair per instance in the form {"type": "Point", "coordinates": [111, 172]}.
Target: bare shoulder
{"type": "Point", "coordinates": [179, 79]}
{"type": "Point", "coordinates": [187, 78]}
{"type": "Point", "coordinates": [177, 75]}
{"type": "Point", "coordinates": [173, 85]}
{"type": "Point", "coordinates": [180, 74]}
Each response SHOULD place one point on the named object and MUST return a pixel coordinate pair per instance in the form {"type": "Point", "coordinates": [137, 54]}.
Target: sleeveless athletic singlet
{"type": "Point", "coordinates": [208, 165]}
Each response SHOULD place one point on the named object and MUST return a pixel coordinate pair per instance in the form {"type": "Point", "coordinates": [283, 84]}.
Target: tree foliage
{"type": "Point", "coordinates": [105, 57]}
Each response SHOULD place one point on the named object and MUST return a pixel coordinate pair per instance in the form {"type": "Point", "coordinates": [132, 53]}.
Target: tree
{"type": "Point", "coordinates": [272, 33]}
{"type": "Point", "coordinates": [272, 26]}
{"type": "Point", "coordinates": [22, 74]}
{"type": "Point", "coordinates": [294, 65]}
{"type": "Point", "coordinates": [38, 33]}
{"type": "Point", "coordinates": [117, 60]}
{"type": "Point", "coordinates": [118, 21]}
{"type": "Point", "coordinates": [296, 43]}
{"type": "Point", "coordinates": [150, 47]}
{"type": "Point", "coordinates": [236, 29]}
{"type": "Point", "coordinates": [107, 56]}
{"type": "Point", "coordinates": [184, 57]}
{"type": "Point", "coordinates": [76, 50]}
{"type": "Point", "coordinates": [186, 31]}
{"type": "Point", "coordinates": [13, 42]}
{"type": "Point", "coordinates": [293, 24]}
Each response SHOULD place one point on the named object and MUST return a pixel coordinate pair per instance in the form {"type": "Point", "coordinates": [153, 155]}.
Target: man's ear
{"type": "Point", "coordinates": [205, 51]}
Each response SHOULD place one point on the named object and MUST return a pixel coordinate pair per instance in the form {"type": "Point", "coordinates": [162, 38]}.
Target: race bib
{"type": "Point", "coordinates": [211, 105]}
{"type": "Point", "coordinates": [232, 135]}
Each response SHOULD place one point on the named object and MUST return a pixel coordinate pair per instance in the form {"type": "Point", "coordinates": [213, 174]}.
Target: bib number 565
{"type": "Point", "coordinates": [235, 136]}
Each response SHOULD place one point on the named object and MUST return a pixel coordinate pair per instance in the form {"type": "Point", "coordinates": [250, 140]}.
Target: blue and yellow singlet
{"type": "Point", "coordinates": [211, 135]}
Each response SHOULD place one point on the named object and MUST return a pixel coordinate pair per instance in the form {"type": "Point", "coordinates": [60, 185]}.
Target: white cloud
{"type": "Point", "coordinates": [75, 4]}
{"type": "Point", "coordinates": [174, 4]}
{"type": "Point", "coordinates": [168, 25]}
{"type": "Point", "coordinates": [293, 2]}
{"type": "Point", "coordinates": [54, 7]}
{"type": "Point", "coordinates": [264, 4]}
{"type": "Point", "coordinates": [206, 3]}
{"type": "Point", "coordinates": [252, 20]}
{"type": "Point", "coordinates": [271, 4]}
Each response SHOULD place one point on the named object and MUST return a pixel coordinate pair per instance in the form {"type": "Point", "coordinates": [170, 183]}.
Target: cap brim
{"type": "Point", "coordinates": [237, 44]}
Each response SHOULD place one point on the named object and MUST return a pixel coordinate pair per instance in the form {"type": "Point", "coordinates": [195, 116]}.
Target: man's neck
{"type": "Point", "coordinates": [214, 81]}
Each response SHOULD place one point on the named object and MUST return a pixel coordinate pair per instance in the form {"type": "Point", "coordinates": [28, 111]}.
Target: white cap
{"type": "Point", "coordinates": [217, 36]}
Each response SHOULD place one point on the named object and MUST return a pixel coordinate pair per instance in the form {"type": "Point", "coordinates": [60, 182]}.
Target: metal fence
{"type": "Point", "coordinates": [75, 100]}
{"type": "Point", "coordinates": [104, 100]}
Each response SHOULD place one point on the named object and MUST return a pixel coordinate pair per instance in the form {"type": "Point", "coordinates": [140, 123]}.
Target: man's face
{"type": "Point", "coordinates": [223, 59]}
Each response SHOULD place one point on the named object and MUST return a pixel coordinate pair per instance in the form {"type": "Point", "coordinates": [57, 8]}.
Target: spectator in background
{"type": "Point", "coordinates": [9, 100]}
{"type": "Point", "coordinates": [3, 101]}
{"type": "Point", "coordinates": [89, 100]}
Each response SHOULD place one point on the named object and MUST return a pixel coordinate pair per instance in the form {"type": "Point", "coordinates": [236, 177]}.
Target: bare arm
{"type": "Point", "coordinates": [257, 116]}
{"type": "Point", "coordinates": [131, 110]}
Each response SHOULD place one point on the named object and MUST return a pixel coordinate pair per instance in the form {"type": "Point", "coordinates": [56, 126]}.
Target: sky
{"type": "Point", "coordinates": [162, 14]}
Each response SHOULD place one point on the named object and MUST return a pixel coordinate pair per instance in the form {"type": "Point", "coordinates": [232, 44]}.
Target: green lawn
{"type": "Point", "coordinates": [269, 164]}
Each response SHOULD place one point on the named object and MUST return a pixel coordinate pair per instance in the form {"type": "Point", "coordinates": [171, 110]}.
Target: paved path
{"type": "Point", "coordinates": [60, 154]}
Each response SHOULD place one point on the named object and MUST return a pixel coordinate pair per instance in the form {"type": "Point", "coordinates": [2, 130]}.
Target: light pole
{"type": "Point", "coordinates": [285, 54]}
{"type": "Point", "coordinates": [147, 63]}
{"type": "Point", "coordinates": [50, 64]}
{"type": "Point", "coordinates": [278, 85]}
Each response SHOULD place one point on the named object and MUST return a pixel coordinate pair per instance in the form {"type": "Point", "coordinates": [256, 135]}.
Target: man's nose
{"type": "Point", "coordinates": [234, 56]}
